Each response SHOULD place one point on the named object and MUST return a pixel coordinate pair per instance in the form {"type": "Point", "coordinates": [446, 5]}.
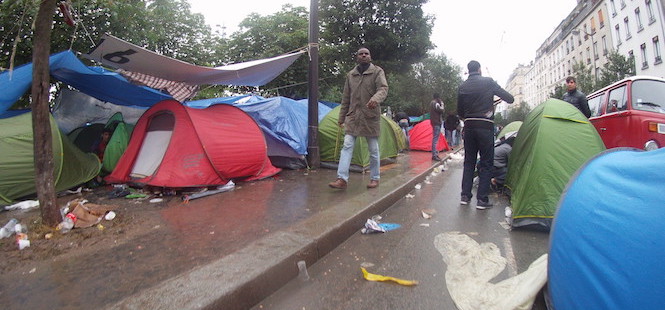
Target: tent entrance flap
{"type": "Point", "coordinates": [154, 146]}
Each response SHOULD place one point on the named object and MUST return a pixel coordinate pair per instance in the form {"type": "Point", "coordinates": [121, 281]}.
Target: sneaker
{"type": "Point", "coordinates": [482, 205]}
{"type": "Point", "coordinates": [436, 157]}
{"type": "Point", "coordinates": [464, 200]}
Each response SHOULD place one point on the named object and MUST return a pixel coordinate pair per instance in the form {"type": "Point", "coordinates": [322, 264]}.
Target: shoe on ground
{"type": "Point", "coordinates": [436, 157]}
{"type": "Point", "coordinates": [464, 200]}
{"type": "Point", "coordinates": [373, 184]}
{"type": "Point", "coordinates": [338, 184]}
{"type": "Point", "coordinates": [482, 205]}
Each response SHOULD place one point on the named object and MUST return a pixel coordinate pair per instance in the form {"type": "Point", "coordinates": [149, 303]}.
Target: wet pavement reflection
{"type": "Point", "coordinates": [188, 235]}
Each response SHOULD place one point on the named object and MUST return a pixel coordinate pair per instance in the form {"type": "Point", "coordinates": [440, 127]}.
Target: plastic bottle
{"type": "Point", "coordinates": [8, 229]}
{"type": "Point", "coordinates": [67, 223]}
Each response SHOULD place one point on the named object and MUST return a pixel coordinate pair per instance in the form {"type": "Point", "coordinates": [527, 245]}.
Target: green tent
{"type": "Point", "coordinates": [86, 136]}
{"type": "Point", "coordinates": [17, 172]}
{"type": "Point", "coordinates": [331, 139]}
{"type": "Point", "coordinates": [511, 127]}
{"type": "Point", "coordinates": [553, 142]}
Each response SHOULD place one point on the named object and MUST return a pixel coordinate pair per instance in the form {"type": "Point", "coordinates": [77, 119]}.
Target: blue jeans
{"type": "Point", "coordinates": [450, 137]}
{"type": "Point", "coordinates": [436, 132]}
{"type": "Point", "coordinates": [478, 140]}
{"type": "Point", "coordinates": [347, 153]}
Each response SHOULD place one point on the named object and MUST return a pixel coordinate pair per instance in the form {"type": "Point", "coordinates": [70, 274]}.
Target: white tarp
{"type": "Point", "coordinates": [116, 53]}
{"type": "Point", "coordinates": [471, 268]}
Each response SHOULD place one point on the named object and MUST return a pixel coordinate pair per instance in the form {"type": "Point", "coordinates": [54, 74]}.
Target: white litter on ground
{"type": "Point", "coordinates": [471, 267]}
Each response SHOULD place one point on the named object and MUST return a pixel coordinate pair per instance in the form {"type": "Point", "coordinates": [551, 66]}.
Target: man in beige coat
{"type": "Point", "coordinates": [364, 90]}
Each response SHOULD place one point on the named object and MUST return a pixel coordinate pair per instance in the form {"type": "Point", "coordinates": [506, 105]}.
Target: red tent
{"type": "Point", "coordinates": [176, 146]}
{"type": "Point", "coordinates": [420, 138]}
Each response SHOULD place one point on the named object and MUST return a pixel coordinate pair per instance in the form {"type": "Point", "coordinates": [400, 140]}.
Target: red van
{"type": "Point", "coordinates": [630, 113]}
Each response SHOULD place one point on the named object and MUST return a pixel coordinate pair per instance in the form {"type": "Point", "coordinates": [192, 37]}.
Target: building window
{"type": "Point", "coordinates": [643, 51]}
{"type": "Point", "coordinates": [656, 50]}
{"type": "Point", "coordinates": [625, 23]}
{"type": "Point", "coordinates": [572, 44]}
{"type": "Point", "coordinates": [652, 16]}
{"type": "Point", "coordinates": [638, 20]}
{"type": "Point", "coordinates": [604, 40]}
{"type": "Point", "coordinates": [595, 50]}
{"type": "Point", "coordinates": [613, 8]}
{"type": "Point", "coordinates": [588, 56]}
{"type": "Point", "coordinates": [616, 28]}
{"type": "Point", "coordinates": [569, 66]}
{"type": "Point", "coordinates": [567, 47]}
{"type": "Point", "coordinates": [623, 4]}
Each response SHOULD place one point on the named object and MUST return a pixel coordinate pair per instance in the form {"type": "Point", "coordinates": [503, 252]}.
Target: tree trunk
{"type": "Point", "coordinates": [43, 143]}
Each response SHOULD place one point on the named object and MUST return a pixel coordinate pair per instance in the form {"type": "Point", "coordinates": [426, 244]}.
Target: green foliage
{"type": "Point", "coordinates": [499, 120]}
{"type": "Point", "coordinates": [586, 82]}
{"type": "Point", "coordinates": [515, 112]}
{"type": "Point", "coordinates": [397, 32]}
{"type": "Point", "coordinates": [268, 36]}
{"type": "Point", "coordinates": [412, 91]}
{"type": "Point", "coordinates": [559, 90]}
{"type": "Point", "coordinates": [617, 68]}
{"type": "Point", "coordinates": [165, 26]}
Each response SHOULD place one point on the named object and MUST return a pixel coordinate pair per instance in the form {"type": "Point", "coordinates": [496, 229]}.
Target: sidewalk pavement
{"type": "Point", "coordinates": [225, 251]}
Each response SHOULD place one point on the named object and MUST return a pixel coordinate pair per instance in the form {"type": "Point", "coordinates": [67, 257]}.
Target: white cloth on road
{"type": "Point", "coordinates": [471, 267]}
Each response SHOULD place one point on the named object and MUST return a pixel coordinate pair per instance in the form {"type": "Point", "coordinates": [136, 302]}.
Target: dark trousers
{"type": "Point", "coordinates": [478, 140]}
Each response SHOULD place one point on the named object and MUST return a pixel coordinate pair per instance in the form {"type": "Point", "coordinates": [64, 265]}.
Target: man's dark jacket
{"type": "Point", "coordinates": [475, 100]}
{"type": "Point", "coordinates": [578, 99]}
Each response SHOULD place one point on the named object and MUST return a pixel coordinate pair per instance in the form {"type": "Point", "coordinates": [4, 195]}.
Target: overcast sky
{"type": "Point", "coordinates": [498, 34]}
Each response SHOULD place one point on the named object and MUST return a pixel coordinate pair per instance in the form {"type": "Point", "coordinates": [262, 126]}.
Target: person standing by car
{"type": "Point", "coordinates": [360, 115]}
{"type": "Point", "coordinates": [435, 117]}
{"type": "Point", "coordinates": [576, 97]}
{"type": "Point", "coordinates": [475, 106]}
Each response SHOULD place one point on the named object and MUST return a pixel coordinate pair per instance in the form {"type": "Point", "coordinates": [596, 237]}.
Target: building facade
{"type": "Point", "coordinates": [593, 29]}
{"type": "Point", "coordinates": [584, 37]}
{"type": "Point", "coordinates": [637, 31]}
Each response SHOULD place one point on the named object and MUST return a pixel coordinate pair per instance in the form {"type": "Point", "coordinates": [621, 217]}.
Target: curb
{"type": "Point", "coordinates": [244, 278]}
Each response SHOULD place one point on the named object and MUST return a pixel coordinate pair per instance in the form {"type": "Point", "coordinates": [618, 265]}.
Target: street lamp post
{"type": "Point", "coordinates": [593, 50]}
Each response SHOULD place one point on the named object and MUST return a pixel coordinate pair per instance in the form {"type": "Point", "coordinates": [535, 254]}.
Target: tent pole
{"type": "Point", "coordinates": [313, 156]}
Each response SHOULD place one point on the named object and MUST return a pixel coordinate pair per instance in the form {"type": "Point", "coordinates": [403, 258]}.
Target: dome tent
{"type": "Point", "coordinates": [553, 142]}
{"type": "Point", "coordinates": [331, 139]}
{"type": "Point", "coordinates": [176, 146]}
{"type": "Point", "coordinates": [71, 166]}
{"type": "Point", "coordinates": [85, 137]}
{"type": "Point", "coordinates": [606, 247]}
{"type": "Point", "coordinates": [420, 138]}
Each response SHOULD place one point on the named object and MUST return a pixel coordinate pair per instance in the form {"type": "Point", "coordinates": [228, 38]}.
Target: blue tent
{"type": "Point", "coordinates": [97, 82]}
{"type": "Point", "coordinates": [606, 245]}
{"type": "Point", "coordinates": [284, 123]}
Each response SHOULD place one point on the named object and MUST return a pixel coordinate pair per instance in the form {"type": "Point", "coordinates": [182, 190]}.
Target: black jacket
{"type": "Point", "coordinates": [451, 122]}
{"type": "Point", "coordinates": [578, 99]}
{"type": "Point", "coordinates": [475, 100]}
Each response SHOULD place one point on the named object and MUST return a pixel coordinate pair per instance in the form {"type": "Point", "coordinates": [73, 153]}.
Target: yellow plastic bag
{"type": "Point", "coordinates": [379, 278]}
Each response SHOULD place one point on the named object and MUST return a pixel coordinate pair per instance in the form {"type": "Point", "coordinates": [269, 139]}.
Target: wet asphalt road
{"type": "Point", "coordinates": [336, 281]}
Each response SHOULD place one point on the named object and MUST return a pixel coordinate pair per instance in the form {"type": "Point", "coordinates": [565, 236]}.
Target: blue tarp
{"type": "Point", "coordinates": [281, 119]}
{"type": "Point", "coordinates": [97, 82]}
{"type": "Point", "coordinates": [606, 247]}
